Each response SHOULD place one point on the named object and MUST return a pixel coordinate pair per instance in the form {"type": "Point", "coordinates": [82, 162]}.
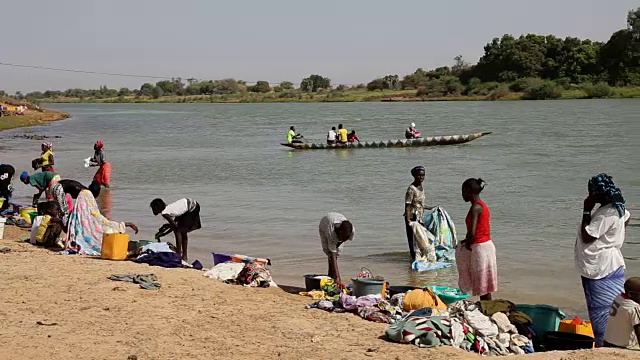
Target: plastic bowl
{"type": "Point", "coordinates": [312, 281]}
{"type": "Point", "coordinates": [448, 294]}
{"type": "Point", "coordinates": [561, 341]}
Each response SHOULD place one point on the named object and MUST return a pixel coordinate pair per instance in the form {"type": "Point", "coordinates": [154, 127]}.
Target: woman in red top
{"type": "Point", "coordinates": [476, 254]}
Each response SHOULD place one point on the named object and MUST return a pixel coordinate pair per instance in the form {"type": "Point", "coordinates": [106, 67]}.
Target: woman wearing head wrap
{"type": "Point", "coordinates": [45, 161]}
{"type": "Point", "coordinates": [476, 254]}
{"type": "Point", "coordinates": [597, 250]}
{"type": "Point", "coordinates": [103, 175]}
{"type": "Point", "coordinates": [414, 205]}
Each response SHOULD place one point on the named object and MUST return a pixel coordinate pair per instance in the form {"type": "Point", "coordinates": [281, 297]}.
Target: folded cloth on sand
{"type": "Point", "coordinates": [225, 271]}
{"type": "Point", "coordinates": [146, 281]}
{"type": "Point", "coordinates": [164, 259]}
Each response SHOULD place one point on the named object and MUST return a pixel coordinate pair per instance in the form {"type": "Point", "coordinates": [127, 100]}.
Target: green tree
{"type": "Point", "coordinates": [156, 92]}
{"type": "Point", "coordinates": [146, 89]}
{"type": "Point", "coordinates": [393, 81]}
{"type": "Point", "coordinates": [260, 87]}
{"type": "Point", "coordinates": [124, 92]}
{"type": "Point", "coordinates": [377, 84]}
{"type": "Point", "coordinates": [225, 86]}
{"type": "Point", "coordinates": [286, 85]}
{"type": "Point", "coordinates": [314, 83]}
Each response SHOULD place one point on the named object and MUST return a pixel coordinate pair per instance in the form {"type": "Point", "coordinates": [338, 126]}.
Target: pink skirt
{"type": "Point", "coordinates": [477, 269]}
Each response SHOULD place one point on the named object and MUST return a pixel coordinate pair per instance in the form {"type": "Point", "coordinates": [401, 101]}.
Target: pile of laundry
{"type": "Point", "coordinates": [253, 274]}
{"type": "Point", "coordinates": [370, 307]}
{"type": "Point", "coordinates": [487, 327]}
{"type": "Point", "coordinates": [163, 254]}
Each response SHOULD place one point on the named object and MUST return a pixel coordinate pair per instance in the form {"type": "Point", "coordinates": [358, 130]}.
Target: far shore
{"type": "Point", "coordinates": [64, 307]}
{"type": "Point", "coordinates": [333, 96]}
{"type": "Point", "coordinates": [31, 118]}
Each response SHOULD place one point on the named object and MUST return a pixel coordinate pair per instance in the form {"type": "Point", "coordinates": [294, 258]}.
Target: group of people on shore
{"type": "Point", "coordinates": [72, 218]}
{"type": "Point", "coordinates": [613, 304]}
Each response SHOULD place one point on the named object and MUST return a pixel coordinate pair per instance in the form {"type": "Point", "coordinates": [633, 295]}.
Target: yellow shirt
{"type": "Point", "coordinates": [290, 136]}
{"type": "Point", "coordinates": [342, 135]}
{"type": "Point", "coordinates": [45, 157]}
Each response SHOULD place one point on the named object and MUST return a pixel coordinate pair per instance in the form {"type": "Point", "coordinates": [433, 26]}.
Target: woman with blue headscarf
{"type": "Point", "coordinates": [597, 250]}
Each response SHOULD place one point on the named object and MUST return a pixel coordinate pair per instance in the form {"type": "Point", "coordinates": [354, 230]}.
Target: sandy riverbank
{"type": "Point", "coordinates": [31, 118]}
{"type": "Point", "coordinates": [190, 317]}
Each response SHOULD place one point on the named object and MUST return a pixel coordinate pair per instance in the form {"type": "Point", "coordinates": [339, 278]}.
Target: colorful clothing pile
{"type": "Point", "coordinates": [371, 307]}
{"type": "Point", "coordinates": [253, 274]}
{"type": "Point", "coordinates": [466, 326]}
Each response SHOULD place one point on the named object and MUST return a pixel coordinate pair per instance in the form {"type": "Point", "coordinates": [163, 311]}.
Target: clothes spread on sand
{"type": "Point", "coordinates": [146, 281]}
{"type": "Point", "coordinates": [225, 271]}
{"type": "Point", "coordinates": [370, 307]}
{"type": "Point", "coordinates": [163, 259]}
{"type": "Point", "coordinates": [87, 225]}
{"type": "Point", "coordinates": [463, 326]}
{"type": "Point", "coordinates": [253, 274]}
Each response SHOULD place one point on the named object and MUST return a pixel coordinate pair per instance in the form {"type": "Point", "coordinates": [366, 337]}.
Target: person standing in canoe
{"type": "Point", "coordinates": [597, 250]}
{"type": "Point", "coordinates": [414, 200]}
{"type": "Point", "coordinates": [334, 231]}
{"type": "Point", "coordinates": [183, 217]}
{"type": "Point", "coordinates": [476, 254]}
{"type": "Point", "coordinates": [45, 161]}
{"type": "Point", "coordinates": [103, 175]}
{"type": "Point", "coordinates": [292, 137]}
{"type": "Point", "coordinates": [342, 135]}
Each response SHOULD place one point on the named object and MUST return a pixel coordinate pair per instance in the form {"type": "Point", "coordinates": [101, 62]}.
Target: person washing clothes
{"type": "Point", "coordinates": [334, 231]}
{"type": "Point", "coordinates": [597, 250]}
{"type": "Point", "coordinates": [623, 326]}
{"type": "Point", "coordinates": [103, 175]}
{"type": "Point", "coordinates": [45, 161]}
{"type": "Point", "coordinates": [183, 217]}
{"type": "Point", "coordinates": [6, 184]}
{"type": "Point", "coordinates": [43, 181]}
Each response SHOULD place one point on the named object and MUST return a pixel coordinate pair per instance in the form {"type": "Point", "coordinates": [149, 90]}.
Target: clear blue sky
{"type": "Point", "coordinates": [349, 41]}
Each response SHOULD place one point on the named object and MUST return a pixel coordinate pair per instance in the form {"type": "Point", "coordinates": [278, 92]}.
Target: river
{"type": "Point", "coordinates": [260, 199]}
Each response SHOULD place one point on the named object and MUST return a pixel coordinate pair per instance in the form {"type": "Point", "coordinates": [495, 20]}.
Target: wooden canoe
{"type": "Point", "coordinates": [428, 141]}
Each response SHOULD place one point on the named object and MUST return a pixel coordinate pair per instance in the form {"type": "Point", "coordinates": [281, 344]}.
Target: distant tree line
{"type": "Point", "coordinates": [539, 66]}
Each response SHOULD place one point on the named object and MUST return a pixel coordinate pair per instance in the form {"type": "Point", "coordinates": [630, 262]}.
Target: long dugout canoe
{"type": "Point", "coordinates": [428, 141]}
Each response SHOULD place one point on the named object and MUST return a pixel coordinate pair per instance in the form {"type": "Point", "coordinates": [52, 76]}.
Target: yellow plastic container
{"type": "Point", "coordinates": [571, 326]}
{"type": "Point", "coordinates": [24, 212]}
{"type": "Point", "coordinates": [114, 246]}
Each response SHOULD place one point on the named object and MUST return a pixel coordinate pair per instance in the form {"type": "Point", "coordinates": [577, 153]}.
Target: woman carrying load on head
{"type": "Point", "coordinates": [103, 175]}
{"type": "Point", "coordinates": [414, 200]}
{"type": "Point", "coordinates": [476, 254]}
{"type": "Point", "coordinates": [597, 250]}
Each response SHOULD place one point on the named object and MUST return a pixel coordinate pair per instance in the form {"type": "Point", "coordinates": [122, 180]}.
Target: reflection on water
{"type": "Point", "coordinates": [105, 202]}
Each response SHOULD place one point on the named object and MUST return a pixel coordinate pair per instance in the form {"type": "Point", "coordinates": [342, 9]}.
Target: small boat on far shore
{"type": "Point", "coordinates": [428, 141]}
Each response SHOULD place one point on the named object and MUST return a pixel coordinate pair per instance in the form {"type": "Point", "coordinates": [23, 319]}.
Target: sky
{"type": "Point", "coordinates": [349, 41]}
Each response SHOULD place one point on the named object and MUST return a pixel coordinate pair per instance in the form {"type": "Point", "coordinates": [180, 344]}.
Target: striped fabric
{"type": "Point", "coordinates": [600, 294]}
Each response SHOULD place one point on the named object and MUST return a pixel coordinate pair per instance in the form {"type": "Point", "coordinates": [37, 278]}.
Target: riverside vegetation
{"type": "Point", "coordinates": [531, 67]}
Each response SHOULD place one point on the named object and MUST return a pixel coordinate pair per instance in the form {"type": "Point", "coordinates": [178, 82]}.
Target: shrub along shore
{"type": "Point", "coordinates": [529, 67]}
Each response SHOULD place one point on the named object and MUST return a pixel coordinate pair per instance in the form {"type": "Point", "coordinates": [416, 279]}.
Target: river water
{"type": "Point", "coordinates": [261, 199]}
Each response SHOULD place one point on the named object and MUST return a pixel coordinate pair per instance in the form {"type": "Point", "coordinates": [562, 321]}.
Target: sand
{"type": "Point", "coordinates": [64, 307]}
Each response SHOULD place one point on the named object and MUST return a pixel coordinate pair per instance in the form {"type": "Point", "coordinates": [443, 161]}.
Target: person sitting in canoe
{"type": "Point", "coordinates": [292, 137]}
{"type": "Point", "coordinates": [353, 137]}
{"type": "Point", "coordinates": [412, 132]}
{"type": "Point", "coordinates": [342, 134]}
{"type": "Point", "coordinates": [332, 136]}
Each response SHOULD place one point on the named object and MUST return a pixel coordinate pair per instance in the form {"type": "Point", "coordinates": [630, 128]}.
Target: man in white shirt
{"type": "Point", "coordinates": [332, 136]}
{"type": "Point", "coordinates": [183, 216]}
{"type": "Point", "coordinates": [334, 230]}
{"type": "Point", "coordinates": [623, 327]}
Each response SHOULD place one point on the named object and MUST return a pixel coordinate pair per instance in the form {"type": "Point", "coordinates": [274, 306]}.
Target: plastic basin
{"type": "Point", "coordinates": [366, 286]}
{"type": "Point", "coordinates": [312, 281]}
{"type": "Point", "coordinates": [562, 341]}
{"type": "Point", "coordinates": [545, 317]}
{"type": "Point", "coordinates": [448, 294]}
{"type": "Point", "coordinates": [32, 215]}
{"type": "Point", "coordinates": [394, 290]}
